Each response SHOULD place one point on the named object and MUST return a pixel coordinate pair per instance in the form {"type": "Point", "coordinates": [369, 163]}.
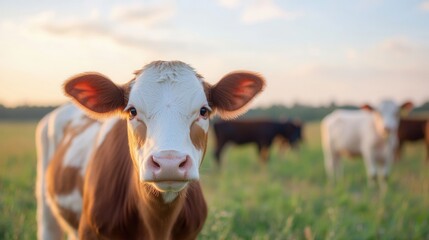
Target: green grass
{"type": "Point", "coordinates": [289, 198]}
{"type": "Point", "coordinates": [17, 179]}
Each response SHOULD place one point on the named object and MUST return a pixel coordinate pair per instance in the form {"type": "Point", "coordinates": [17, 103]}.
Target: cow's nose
{"type": "Point", "coordinates": [169, 166]}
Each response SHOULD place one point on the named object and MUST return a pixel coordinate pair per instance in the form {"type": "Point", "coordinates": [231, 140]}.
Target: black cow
{"type": "Point", "coordinates": [411, 130]}
{"type": "Point", "coordinates": [261, 132]}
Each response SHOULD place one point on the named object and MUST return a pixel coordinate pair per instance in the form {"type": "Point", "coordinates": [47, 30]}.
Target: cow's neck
{"type": "Point", "coordinates": [158, 216]}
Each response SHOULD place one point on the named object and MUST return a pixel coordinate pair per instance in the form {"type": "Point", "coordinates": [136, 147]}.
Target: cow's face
{"type": "Point", "coordinates": [387, 115]}
{"type": "Point", "coordinates": [168, 122]}
{"type": "Point", "coordinates": [167, 107]}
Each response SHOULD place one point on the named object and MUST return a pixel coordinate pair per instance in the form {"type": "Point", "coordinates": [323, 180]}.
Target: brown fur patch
{"type": "Point", "coordinates": [64, 179]}
{"type": "Point", "coordinates": [106, 202]}
{"type": "Point", "coordinates": [198, 136]}
{"type": "Point", "coordinates": [71, 217]}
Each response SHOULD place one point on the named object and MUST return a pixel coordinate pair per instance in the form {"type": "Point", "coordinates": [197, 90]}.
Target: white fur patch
{"type": "Point", "coordinates": [169, 196]}
{"type": "Point", "coordinates": [71, 201]}
{"type": "Point", "coordinates": [79, 152]}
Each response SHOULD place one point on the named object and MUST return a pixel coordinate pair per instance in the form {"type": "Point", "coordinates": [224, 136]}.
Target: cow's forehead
{"type": "Point", "coordinates": [387, 107]}
{"type": "Point", "coordinates": [167, 84]}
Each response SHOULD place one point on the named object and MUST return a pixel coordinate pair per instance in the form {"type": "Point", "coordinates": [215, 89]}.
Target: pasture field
{"type": "Point", "coordinates": [289, 198]}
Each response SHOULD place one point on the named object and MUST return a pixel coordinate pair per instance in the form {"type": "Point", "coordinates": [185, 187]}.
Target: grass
{"type": "Point", "coordinates": [17, 179]}
{"type": "Point", "coordinates": [288, 198]}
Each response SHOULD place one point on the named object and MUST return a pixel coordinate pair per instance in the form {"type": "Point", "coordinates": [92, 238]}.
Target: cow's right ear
{"type": "Point", "coordinates": [367, 107]}
{"type": "Point", "coordinates": [96, 94]}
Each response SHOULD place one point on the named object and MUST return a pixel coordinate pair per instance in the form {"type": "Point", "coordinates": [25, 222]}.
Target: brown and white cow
{"type": "Point", "coordinates": [124, 164]}
{"type": "Point", "coordinates": [370, 132]}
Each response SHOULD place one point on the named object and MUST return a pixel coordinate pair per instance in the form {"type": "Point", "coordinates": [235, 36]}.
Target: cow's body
{"type": "Point", "coordinates": [411, 130]}
{"type": "Point", "coordinates": [260, 132]}
{"type": "Point", "coordinates": [108, 177]}
{"type": "Point", "coordinates": [368, 133]}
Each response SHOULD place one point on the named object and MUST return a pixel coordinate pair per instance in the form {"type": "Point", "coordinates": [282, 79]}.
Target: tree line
{"type": "Point", "coordinates": [278, 112]}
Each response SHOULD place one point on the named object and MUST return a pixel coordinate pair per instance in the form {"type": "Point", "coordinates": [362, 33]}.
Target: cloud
{"type": "Point", "coordinates": [424, 6]}
{"type": "Point", "coordinates": [118, 26]}
{"type": "Point", "coordinates": [265, 10]}
{"type": "Point", "coordinates": [141, 14]}
{"type": "Point", "coordinates": [256, 11]}
{"type": "Point", "coordinates": [397, 45]}
{"type": "Point", "coordinates": [229, 3]}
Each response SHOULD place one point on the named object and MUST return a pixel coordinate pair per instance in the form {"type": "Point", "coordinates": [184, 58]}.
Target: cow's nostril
{"type": "Point", "coordinates": [184, 163]}
{"type": "Point", "coordinates": [155, 164]}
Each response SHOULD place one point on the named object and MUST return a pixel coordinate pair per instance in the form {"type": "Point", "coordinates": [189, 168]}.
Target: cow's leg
{"type": "Point", "coordinates": [331, 156]}
{"type": "Point", "coordinates": [371, 167]}
{"type": "Point", "coordinates": [398, 151]}
{"type": "Point", "coordinates": [384, 168]}
{"type": "Point", "coordinates": [218, 152]}
{"type": "Point", "coordinates": [427, 152]}
{"type": "Point", "coordinates": [48, 227]}
{"type": "Point", "coordinates": [332, 162]}
{"type": "Point", "coordinates": [333, 167]}
{"type": "Point", "coordinates": [427, 143]}
{"type": "Point", "coordinates": [264, 153]}
{"type": "Point", "coordinates": [283, 146]}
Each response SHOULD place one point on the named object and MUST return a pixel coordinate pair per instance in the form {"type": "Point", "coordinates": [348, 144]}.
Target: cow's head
{"type": "Point", "coordinates": [291, 133]}
{"type": "Point", "coordinates": [296, 136]}
{"type": "Point", "coordinates": [387, 115]}
{"type": "Point", "coordinates": [168, 106]}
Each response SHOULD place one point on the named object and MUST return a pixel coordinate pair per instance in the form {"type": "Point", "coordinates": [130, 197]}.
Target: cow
{"type": "Point", "coordinates": [122, 161]}
{"type": "Point", "coordinates": [260, 132]}
{"type": "Point", "coordinates": [412, 130]}
{"type": "Point", "coordinates": [370, 132]}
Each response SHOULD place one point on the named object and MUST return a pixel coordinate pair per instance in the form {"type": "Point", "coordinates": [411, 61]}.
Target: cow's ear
{"type": "Point", "coordinates": [230, 96]}
{"type": "Point", "coordinates": [367, 107]}
{"type": "Point", "coordinates": [406, 108]}
{"type": "Point", "coordinates": [96, 94]}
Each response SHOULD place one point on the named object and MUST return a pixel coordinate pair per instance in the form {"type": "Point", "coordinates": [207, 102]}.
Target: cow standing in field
{"type": "Point", "coordinates": [124, 164]}
{"type": "Point", "coordinates": [370, 132]}
{"type": "Point", "coordinates": [260, 132]}
{"type": "Point", "coordinates": [412, 130]}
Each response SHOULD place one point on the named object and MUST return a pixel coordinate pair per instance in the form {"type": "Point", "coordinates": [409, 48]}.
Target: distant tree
{"type": "Point", "coordinates": [24, 113]}
{"type": "Point", "coordinates": [277, 111]}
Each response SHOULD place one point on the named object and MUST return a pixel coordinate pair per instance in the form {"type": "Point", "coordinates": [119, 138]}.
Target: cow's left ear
{"type": "Point", "coordinates": [406, 107]}
{"type": "Point", "coordinates": [96, 94]}
{"type": "Point", "coordinates": [230, 96]}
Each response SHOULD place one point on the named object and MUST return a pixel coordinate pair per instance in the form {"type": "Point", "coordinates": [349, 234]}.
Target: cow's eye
{"type": "Point", "coordinates": [132, 112]}
{"type": "Point", "coordinates": [204, 112]}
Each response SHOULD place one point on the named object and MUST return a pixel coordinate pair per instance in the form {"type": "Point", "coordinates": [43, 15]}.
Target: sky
{"type": "Point", "coordinates": [309, 51]}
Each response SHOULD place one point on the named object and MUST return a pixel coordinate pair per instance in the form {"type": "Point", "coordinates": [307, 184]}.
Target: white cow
{"type": "Point", "coordinates": [369, 132]}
